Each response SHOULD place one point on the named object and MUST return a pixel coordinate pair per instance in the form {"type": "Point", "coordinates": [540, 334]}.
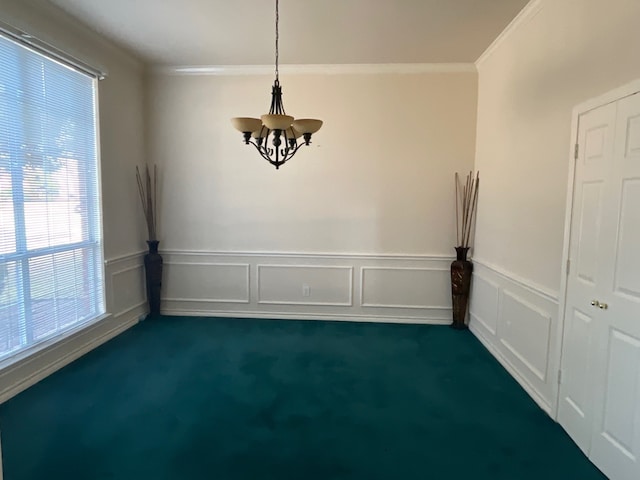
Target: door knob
{"type": "Point", "coordinates": [603, 306]}
{"type": "Point", "coordinates": [595, 303]}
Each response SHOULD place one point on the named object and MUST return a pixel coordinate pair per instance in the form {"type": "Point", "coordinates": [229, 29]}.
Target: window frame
{"type": "Point", "coordinates": [93, 245]}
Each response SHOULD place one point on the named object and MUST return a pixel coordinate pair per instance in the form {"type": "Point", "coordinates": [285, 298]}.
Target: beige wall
{"type": "Point", "coordinates": [570, 51]}
{"type": "Point", "coordinates": [377, 179]}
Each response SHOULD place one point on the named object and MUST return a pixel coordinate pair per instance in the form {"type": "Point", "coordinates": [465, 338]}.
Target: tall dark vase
{"type": "Point", "coordinates": [153, 270]}
{"type": "Point", "coordinates": [461, 270]}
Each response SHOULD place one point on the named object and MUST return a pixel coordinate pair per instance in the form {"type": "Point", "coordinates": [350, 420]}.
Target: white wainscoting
{"type": "Point", "coordinates": [516, 321]}
{"type": "Point", "coordinates": [422, 287]}
{"type": "Point", "coordinates": [320, 285]}
{"type": "Point", "coordinates": [126, 294]}
{"type": "Point", "coordinates": [206, 282]}
{"type": "Point", "coordinates": [126, 304]}
{"type": "Point", "coordinates": [356, 287]}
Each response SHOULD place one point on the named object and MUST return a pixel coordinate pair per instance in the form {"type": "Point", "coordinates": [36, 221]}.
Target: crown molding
{"type": "Point", "coordinates": [527, 14]}
{"type": "Point", "coordinates": [317, 69]}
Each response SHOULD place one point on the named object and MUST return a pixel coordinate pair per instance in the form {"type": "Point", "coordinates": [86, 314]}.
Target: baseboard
{"type": "Point", "coordinates": [316, 316]}
{"type": "Point", "coordinates": [508, 366]}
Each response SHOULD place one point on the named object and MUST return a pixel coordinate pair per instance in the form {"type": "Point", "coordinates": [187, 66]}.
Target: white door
{"type": "Point", "coordinates": [616, 439]}
{"type": "Point", "coordinates": [582, 326]}
{"type": "Point", "coordinates": [600, 390]}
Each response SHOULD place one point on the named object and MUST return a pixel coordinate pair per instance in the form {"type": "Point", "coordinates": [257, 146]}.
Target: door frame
{"type": "Point", "coordinates": [614, 95]}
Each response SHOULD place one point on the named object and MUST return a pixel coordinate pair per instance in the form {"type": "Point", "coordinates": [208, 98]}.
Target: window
{"type": "Point", "coordinates": [51, 273]}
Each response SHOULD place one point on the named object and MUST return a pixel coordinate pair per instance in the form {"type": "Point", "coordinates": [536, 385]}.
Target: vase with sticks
{"type": "Point", "coordinates": [461, 267]}
{"type": "Point", "coordinates": [147, 188]}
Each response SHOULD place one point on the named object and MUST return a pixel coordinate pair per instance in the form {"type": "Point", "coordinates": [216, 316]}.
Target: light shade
{"type": "Point", "coordinates": [293, 133]}
{"type": "Point", "coordinates": [307, 125]}
{"type": "Point", "coordinates": [246, 124]}
{"type": "Point", "coordinates": [276, 122]}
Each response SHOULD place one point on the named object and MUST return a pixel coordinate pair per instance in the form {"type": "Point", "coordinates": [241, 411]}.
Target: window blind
{"type": "Point", "coordinates": [51, 274]}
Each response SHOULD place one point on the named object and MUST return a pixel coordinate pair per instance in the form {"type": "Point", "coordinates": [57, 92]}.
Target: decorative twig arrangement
{"type": "Point", "coordinates": [466, 203]}
{"type": "Point", "coordinates": [148, 196]}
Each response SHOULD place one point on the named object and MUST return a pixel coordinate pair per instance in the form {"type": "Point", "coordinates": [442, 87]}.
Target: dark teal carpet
{"type": "Point", "coordinates": [194, 398]}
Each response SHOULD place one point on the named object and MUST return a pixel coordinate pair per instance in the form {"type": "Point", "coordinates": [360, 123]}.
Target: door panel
{"type": "Point", "coordinates": [626, 277]}
{"type": "Point", "coordinates": [616, 380]}
{"type": "Point", "coordinates": [596, 142]}
{"type": "Point", "coordinates": [632, 150]}
{"type": "Point", "coordinates": [621, 394]}
{"type": "Point", "coordinates": [575, 405]}
{"type": "Point", "coordinates": [615, 447]}
{"type": "Point", "coordinates": [589, 232]}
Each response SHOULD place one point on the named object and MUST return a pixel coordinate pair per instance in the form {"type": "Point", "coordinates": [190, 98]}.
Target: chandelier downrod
{"type": "Point", "coordinates": [277, 39]}
{"type": "Point", "coordinates": [281, 129]}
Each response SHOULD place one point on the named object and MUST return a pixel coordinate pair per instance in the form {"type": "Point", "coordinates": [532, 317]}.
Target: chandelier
{"type": "Point", "coordinates": [275, 135]}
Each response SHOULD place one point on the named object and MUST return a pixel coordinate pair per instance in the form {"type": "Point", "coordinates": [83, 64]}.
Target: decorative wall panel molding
{"type": "Point", "coordinates": [311, 285]}
{"type": "Point", "coordinates": [127, 289]}
{"type": "Point", "coordinates": [514, 320]}
{"type": "Point", "coordinates": [519, 323]}
{"type": "Point", "coordinates": [206, 282]}
{"type": "Point", "coordinates": [484, 311]}
{"type": "Point", "coordinates": [357, 287]}
{"type": "Point", "coordinates": [403, 287]}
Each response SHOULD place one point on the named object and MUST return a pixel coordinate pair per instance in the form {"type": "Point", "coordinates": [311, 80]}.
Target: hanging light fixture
{"type": "Point", "coordinates": [277, 128]}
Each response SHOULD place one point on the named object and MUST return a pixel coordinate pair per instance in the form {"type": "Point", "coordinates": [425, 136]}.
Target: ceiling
{"type": "Point", "coordinates": [228, 32]}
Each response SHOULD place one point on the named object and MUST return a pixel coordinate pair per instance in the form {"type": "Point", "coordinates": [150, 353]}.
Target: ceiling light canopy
{"type": "Point", "coordinates": [275, 135]}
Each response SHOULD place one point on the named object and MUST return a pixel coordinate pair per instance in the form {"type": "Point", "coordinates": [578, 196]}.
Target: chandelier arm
{"type": "Point", "coordinates": [261, 149]}
{"type": "Point", "coordinates": [290, 146]}
{"type": "Point", "coordinates": [266, 153]}
{"type": "Point", "coordinates": [252, 142]}
{"type": "Point", "coordinates": [292, 151]}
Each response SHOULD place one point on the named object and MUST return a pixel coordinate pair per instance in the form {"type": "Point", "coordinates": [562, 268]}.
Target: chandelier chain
{"type": "Point", "coordinates": [277, 37]}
